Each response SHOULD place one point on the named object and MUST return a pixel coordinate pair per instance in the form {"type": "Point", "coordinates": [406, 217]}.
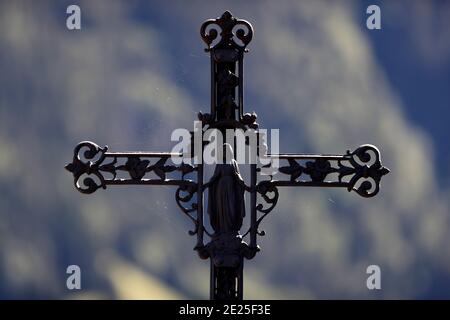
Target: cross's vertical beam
{"type": "Point", "coordinates": [227, 99]}
{"type": "Point", "coordinates": [200, 221]}
{"type": "Point", "coordinates": [253, 213]}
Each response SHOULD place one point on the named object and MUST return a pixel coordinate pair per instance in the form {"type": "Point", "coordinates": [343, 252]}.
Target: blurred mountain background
{"type": "Point", "coordinates": [137, 70]}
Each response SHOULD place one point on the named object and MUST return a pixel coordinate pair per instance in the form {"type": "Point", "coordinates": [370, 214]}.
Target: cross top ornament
{"type": "Point", "coordinates": [226, 37]}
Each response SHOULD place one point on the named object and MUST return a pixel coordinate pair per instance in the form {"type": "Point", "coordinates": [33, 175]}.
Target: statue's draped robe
{"type": "Point", "coordinates": [226, 202]}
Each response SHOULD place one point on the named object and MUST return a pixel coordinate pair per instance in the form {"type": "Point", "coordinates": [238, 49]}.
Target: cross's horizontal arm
{"type": "Point", "coordinates": [101, 168]}
{"type": "Point", "coordinates": [360, 170]}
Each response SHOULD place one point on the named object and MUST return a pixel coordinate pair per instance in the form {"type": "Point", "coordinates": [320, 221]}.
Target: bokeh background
{"type": "Point", "coordinates": [137, 70]}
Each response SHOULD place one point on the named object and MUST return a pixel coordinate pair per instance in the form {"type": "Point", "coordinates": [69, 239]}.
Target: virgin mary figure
{"type": "Point", "coordinates": [226, 202]}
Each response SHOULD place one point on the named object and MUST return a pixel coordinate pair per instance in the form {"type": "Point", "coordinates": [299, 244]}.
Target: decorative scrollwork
{"type": "Point", "coordinates": [189, 189]}
{"type": "Point", "coordinates": [294, 170]}
{"type": "Point", "coordinates": [269, 193]}
{"type": "Point", "coordinates": [249, 119]}
{"type": "Point", "coordinates": [367, 169]}
{"type": "Point", "coordinates": [137, 168]}
{"type": "Point", "coordinates": [364, 167]}
{"type": "Point", "coordinates": [90, 162]}
{"type": "Point", "coordinates": [230, 27]}
{"type": "Point", "coordinates": [317, 170]}
{"type": "Point", "coordinates": [89, 166]}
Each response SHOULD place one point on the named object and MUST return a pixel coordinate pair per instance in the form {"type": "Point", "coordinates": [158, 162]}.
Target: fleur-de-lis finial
{"type": "Point", "coordinates": [227, 23]}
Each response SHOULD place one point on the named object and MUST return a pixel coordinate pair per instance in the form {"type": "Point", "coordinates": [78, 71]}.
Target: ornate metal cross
{"type": "Point", "coordinates": [226, 39]}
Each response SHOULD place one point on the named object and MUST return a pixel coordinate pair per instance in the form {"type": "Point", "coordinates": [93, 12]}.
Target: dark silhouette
{"type": "Point", "coordinates": [226, 202]}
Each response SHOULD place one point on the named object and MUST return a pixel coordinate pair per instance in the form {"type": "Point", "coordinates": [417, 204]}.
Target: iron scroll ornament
{"type": "Point", "coordinates": [93, 167]}
{"type": "Point", "coordinates": [362, 168]}
{"type": "Point", "coordinates": [230, 27]}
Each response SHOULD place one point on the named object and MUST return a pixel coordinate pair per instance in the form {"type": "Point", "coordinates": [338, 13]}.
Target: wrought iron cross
{"type": "Point", "coordinates": [94, 167]}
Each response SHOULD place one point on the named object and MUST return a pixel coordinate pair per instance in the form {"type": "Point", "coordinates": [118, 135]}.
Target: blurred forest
{"type": "Point", "coordinates": [137, 69]}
